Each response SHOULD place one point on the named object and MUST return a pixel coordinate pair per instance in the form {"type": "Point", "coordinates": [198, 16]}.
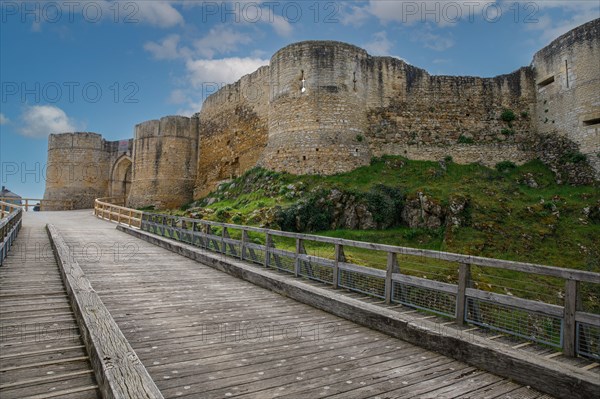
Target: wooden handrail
{"type": "Point", "coordinates": [105, 208]}
{"type": "Point", "coordinates": [10, 224]}
{"type": "Point", "coordinates": [569, 314]}
{"type": "Point", "coordinates": [27, 203]}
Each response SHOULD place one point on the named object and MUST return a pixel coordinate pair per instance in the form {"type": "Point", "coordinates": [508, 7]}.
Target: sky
{"type": "Point", "coordinates": [104, 66]}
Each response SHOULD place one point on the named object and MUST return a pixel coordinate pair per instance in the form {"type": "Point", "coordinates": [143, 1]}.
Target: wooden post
{"type": "Point", "coordinates": [243, 244]}
{"type": "Point", "coordinates": [339, 257]}
{"type": "Point", "coordinates": [268, 244]}
{"type": "Point", "coordinates": [299, 250]}
{"type": "Point", "coordinates": [464, 276]}
{"type": "Point", "coordinates": [392, 267]}
{"type": "Point", "coordinates": [569, 330]}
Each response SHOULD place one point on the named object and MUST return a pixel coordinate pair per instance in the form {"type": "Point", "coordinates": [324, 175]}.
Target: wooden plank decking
{"type": "Point", "coordinates": [204, 334]}
{"type": "Point", "coordinates": [41, 353]}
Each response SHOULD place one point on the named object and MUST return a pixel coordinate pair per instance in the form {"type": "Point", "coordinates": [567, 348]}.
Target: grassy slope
{"type": "Point", "coordinates": [509, 220]}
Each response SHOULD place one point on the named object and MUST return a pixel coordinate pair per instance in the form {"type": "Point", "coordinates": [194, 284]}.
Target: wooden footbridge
{"type": "Point", "coordinates": [154, 306]}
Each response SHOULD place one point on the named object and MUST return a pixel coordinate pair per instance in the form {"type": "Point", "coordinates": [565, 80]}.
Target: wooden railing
{"type": "Point", "coordinates": [10, 224]}
{"type": "Point", "coordinates": [113, 209]}
{"type": "Point", "coordinates": [42, 204]}
{"type": "Point", "coordinates": [563, 323]}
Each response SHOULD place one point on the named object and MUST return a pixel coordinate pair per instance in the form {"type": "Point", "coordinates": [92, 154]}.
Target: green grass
{"type": "Point", "coordinates": [509, 220]}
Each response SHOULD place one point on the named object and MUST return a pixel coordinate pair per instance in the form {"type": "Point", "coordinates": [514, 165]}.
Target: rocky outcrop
{"type": "Point", "coordinates": [564, 159]}
{"type": "Point", "coordinates": [423, 211]}
{"type": "Point", "coordinates": [349, 212]}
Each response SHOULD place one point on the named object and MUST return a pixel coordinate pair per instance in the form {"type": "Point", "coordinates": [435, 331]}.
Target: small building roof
{"type": "Point", "coordinates": [6, 193]}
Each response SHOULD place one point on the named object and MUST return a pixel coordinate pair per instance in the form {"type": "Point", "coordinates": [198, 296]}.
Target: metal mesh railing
{"type": "Point", "coordinates": [516, 299]}
{"type": "Point", "coordinates": [588, 340]}
{"type": "Point", "coordinates": [282, 260]}
{"type": "Point", "coordinates": [316, 271]}
{"type": "Point", "coordinates": [431, 300]}
{"type": "Point", "coordinates": [362, 282]}
{"type": "Point", "coordinates": [526, 324]}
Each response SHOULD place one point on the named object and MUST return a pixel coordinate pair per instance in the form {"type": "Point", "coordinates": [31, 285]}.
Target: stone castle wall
{"type": "Point", "coordinates": [420, 116]}
{"type": "Point", "coordinates": [164, 162]}
{"type": "Point", "coordinates": [323, 107]}
{"type": "Point", "coordinates": [316, 118]}
{"type": "Point", "coordinates": [568, 89]}
{"type": "Point", "coordinates": [78, 168]}
{"type": "Point", "coordinates": [233, 130]}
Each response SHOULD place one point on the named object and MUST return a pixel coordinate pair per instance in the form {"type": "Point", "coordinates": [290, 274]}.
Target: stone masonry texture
{"type": "Point", "coordinates": [324, 107]}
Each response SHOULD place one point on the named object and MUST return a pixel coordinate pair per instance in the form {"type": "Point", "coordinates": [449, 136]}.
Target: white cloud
{"type": "Point", "coordinates": [167, 49]}
{"type": "Point", "coordinates": [441, 12]}
{"type": "Point", "coordinates": [221, 71]}
{"type": "Point", "coordinates": [434, 41]}
{"type": "Point", "coordinates": [567, 15]}
{"type": "Point", "coordinates": [220, 40]}
{"type": "Point", "coordinates": [353, 15]}
{"type": "Point", "coordinates": [158, 13]}
{"type": "Point", "coordinates": [41, 120]}
{"type": "Point", "coordinates": [281, 26]}
{"type": "Point", "coordinates": [379, 45]}
{"type": "Point", "coordinates": [3, 119]}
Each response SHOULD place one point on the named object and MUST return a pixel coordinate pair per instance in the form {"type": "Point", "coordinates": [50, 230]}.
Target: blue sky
{"type": "Point", "coordinates": [104, 66]}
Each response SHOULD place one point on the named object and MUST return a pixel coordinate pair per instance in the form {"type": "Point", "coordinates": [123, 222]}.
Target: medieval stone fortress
{"type": "Point", "coordinates": [323, 107]}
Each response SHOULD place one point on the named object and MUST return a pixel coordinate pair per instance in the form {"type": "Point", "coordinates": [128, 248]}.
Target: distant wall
{"type": "Point", "coordinates": [567, 76]}
{"type": "Point", "coordinates": [164, 162]}
{"type": "Point", "coordinates": [420, 116]}
{"type": "Point", "coordinates": [77, 169]}
{"type": "Point", "coordinates": [233, 130]}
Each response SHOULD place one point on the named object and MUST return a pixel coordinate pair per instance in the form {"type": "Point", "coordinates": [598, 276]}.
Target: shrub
{"type": "Point", "coordinates": [312, 214]}
{"type": "Point", "coordinates": [507, 132]}
{"type": "Point", "coordinates": [505, 166]}
{"type": "Point", "coordinates": [359, 138]}
{"type": "Point", "coordinates": [465, 140]}
{"type": "Point", "coordinates": [574, 157]}
{"type": "Point", "coordinates": [524, 114]}
{"type": "Point", "coordinates": [508, 115]}
{"type": "Point", "coordinates": [448, 159]}
{"type": "Point", "coordinates": [385, 204]}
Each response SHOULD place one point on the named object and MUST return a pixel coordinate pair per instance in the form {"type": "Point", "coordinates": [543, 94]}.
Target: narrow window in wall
{"type": "Point", "coordinates": [567, 72]}
{"type": "Point", "coordinates": [304, 157]}
{"type": "Point", "coordinates": [591, 122]}
{"type": "Point", "coordinates": [546, 81]}
{"type": "Point", "coordinates": [354, 80]}
{"type": "Point", "coordinates": [303, 87]}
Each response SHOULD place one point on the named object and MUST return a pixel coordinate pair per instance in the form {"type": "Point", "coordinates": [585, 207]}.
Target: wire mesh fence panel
{"type": "Point", "coordinates": [588, 341]}
{"type": "Point", "coordinates": [424, 298]}
{"type": "Point", "coordinates": [362, 282]}
{"type": "Point", "coordinates": [255, 255]}
{"type": "Point", "coordinates": [316, 271]}
{"type": "Point", "coordinates": [514, 321]}
{"type": "Point", "coordinates": [213, 243]}
{"type": "Point", "coordinates": [232, 248]}
{"type": "Point", "coordinates": [282, 260]}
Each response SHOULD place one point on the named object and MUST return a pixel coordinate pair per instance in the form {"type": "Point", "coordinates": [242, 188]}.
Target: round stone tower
{"type": "Point", "coordinates": [77, 170]}
{"type": "Point", "coordinates": [317, 114]}
{"type": "Point", "coordinates": [164, 162]}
